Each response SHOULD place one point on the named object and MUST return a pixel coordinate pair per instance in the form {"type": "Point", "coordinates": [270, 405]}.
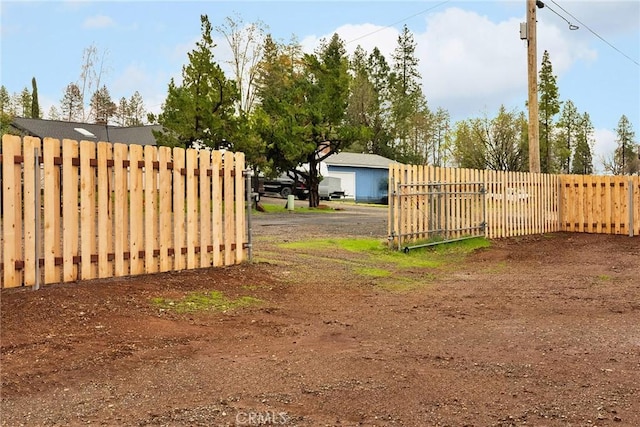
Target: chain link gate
{"type": "Point", "coordinates": [430, 213]}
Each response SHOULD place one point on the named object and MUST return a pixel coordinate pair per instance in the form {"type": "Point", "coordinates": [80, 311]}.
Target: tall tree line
{"type": "Point", "coordinates": [285, 108]}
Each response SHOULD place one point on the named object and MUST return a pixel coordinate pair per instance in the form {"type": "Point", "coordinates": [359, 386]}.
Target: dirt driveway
{"type": "Point", "coordinates": [539, 331]}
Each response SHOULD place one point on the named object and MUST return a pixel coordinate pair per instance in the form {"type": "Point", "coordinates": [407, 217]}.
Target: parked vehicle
{"type": "Point", "coordinates": [330, 188]}
{"type": "Point", "coordinates": [284, 186]}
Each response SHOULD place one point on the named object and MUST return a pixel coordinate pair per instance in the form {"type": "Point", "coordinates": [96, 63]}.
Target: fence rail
{"type": "Point", "coordinates": [515, 203]}
{"type": "Point", "coordinates": [110, 210]}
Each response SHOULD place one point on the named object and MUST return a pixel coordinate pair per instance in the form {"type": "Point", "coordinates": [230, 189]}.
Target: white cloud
{"type": "Point", "coordinates": [135, 77]}
{"type": "Point", "coordinates": [605, 145]}
{"type": "Point", "coordinates": [469, 64]}
{"type": "Point", "coordinates": [98, 21]}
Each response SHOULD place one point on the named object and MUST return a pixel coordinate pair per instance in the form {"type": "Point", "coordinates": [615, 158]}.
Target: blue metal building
{"type": "Point", "coordinates": [364, 176]}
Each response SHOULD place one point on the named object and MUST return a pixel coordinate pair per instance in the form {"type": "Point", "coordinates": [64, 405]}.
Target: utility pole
{"type": "Point", "coordinates": [532, 60]}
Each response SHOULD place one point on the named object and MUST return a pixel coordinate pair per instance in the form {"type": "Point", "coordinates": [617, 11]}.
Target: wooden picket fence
{"type": "Point", "coordinates": [514, 203]}
{"type": "Point", "coordinates": [600, 204]}
{"type": "Point", "coordinates": [83, 210]}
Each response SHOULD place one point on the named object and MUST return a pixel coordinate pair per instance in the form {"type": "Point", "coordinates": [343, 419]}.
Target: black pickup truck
{"type": "Point", "coordinates": [284, 186]}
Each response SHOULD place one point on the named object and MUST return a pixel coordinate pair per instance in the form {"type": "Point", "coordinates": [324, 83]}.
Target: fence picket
{"type": "Point", "coordinates": [179, 188]}
{"type": "Point", "coordinates": [229, 217]}
{"type": "Point", "coordinates": [12, 210]}
{"type": "Point", "coordinates": [31, 245]}
{"type": "Point", "coordinates": [70, 209]}
{"type": "Point", "coordinates": [88, 243]}
{"type": "Point", "coordinates": [150, 209]}
{"type": "Point", "coordinates": [112, 210]}
{"type": "Point", "coordinates": [204, 166]}
{"type": "Point", "coordinates": [239, 201]}
{"type": "Point", "coordinates": [165, 215]}
{"type": "Point", "coordinates": [121, 209]}
{"type": "Point", "coordinates": [52, 211]}
{"type": "Point", "coordinates": [136, 211]}
{"type": "Point", "coordinates": [217, 207]}
{"type": "Point", "coordinates": [192, 207]}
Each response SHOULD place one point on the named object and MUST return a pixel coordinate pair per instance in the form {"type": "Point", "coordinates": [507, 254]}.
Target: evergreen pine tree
{"type": "Point", "coordinates": [582, 158]}
{"type": "Point", "coordinates": [35, 107]}
{"type": "Point", "coordinates": [549, 106]}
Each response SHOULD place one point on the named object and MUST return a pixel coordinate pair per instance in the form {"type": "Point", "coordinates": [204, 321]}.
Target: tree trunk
{"type": "Point", "coordinates": [313, 182]}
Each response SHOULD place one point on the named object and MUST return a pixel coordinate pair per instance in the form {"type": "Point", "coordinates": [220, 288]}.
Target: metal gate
{"type": "Point", "coordinates": [430, 213]}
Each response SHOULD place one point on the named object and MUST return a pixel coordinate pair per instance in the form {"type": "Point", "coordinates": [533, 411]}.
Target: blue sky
{"type": "Point", "coordinates": [471, 57]}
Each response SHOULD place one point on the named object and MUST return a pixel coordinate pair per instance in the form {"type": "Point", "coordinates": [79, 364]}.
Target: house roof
{"type": "Point", "coordinates": [85, 131]}
{"type": "Point", "coordinates": [372, 161]}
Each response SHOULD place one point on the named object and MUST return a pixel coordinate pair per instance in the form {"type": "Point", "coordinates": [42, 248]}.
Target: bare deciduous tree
{"type": "Point", "coordinates": [246, 43]}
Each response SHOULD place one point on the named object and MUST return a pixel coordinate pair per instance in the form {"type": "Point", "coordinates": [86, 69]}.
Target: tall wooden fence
{"type": "Point", "coordinates": [600, 204]}
{"type": "Point", "coordinates": [83, 210]}
{"type": "Point", "coordinates": [515, 203]}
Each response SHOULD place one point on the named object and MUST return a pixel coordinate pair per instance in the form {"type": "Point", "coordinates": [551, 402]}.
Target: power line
{"type": "Point", "coordinates": [400, 21]}
{"type": "Point", "coordinates": [571, 26]}
{"type": "Point", "coordinates": [595, 34]}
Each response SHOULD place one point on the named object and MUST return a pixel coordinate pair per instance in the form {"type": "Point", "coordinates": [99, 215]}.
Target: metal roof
{"type": "Point", "coordinates": [361, 160]}
{"type": "Point", "coordinates": [86, 131]}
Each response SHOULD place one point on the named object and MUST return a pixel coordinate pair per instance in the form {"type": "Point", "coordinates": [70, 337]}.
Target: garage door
{"type": "Point", "coordinates": [348, 183]}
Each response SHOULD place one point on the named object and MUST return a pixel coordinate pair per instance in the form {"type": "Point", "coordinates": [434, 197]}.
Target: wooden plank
{"type": "Point", "coordinates": [240, 208]}
{"type": "Point", "coordinates": [217, 207]}
{"type": "Point", "coordinates": [31, 245]}
{"type": "Point", "coordinates": [518, 205]}
{"type": "Point", "coordinates": [136, 210]}
{"type": "Point", "coordinates": [390, 218]}
{"type": "Point", "coordinates": [618, 197]}
{"type": "Point", "coordinates": [608, 202]}
{"type": "Point", "coordinates": [591, 200]}
{"type": "Point", "coordinates": [105, 210]}
{"type": "Point", "coordinates": [419, 206]}
{"type": "Point", "coordinates": [455, 201]}
{"type": "Point", "coordinates": [88, 240]}
{"type": "Point", "coordinates": [229, 218]}
{"type": "Point", "coordinates": [70, 208]}
{"type": "Point", "coordinates": [178, 208]}
{"type": "Point", "coordinates": [165, 214]}
{"type": "Point", "coordinates": [636, 205]}
{"type": "Point", "coordinates": [205, 207]}
{"type": "Point", "coordinates": [192, 207]}
{"type": "Point", "coordinates": [580, 205]}
{"type": "Point", "coordinates": [445, 205]}
{"type": "Point", "coordinates": [492, 203]}
{"type": "Point", "coordinates": [411, 202]}
{"type": "Point", "coordinates": [598, 203]}
{"type": "Point", "coordinates": [120, 209]}
{"type": "Point", "coordinates": [534, 224]}
{"type": "Point", "coordinates": [538, 223]}
{"type": "Point", "coordinates": [623, 210]}
{"type": "Point", "coordinates": [547, 196]}
{"type": "Point", "coordinates": [150, 209]}
{"type": "Point", "coordinates": [52, 211]}
{"type": "Point", "coordinates": [12, 215]}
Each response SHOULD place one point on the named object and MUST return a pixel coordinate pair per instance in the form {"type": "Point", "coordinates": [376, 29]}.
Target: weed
{"type": "Point", "coordinates": [203, 301]}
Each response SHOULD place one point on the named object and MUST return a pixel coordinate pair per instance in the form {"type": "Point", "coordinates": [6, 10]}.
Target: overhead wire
{"type": "Point", "coordinates": [593, 32]}
{"type": "Point", "coordinates": [400, 21]}
{"type": "Point", "coordinates": [571, 26]}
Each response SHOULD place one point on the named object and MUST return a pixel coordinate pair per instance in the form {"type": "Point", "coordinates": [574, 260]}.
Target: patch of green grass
{"type": "Point", "coordinates": [376, 250]}
{"type": "Point", "coordinates": [270, 208]}
{"type": "Point", "coordinates": [203, 301]}
{"type": "Point", "coordinates": [372, 272]}
{"type": "Point", "coordinates": [499, 267]}
{"type": "Point", "coordinates": [604, 278]}
{"type": "Point", "coordinates": [406, 284]}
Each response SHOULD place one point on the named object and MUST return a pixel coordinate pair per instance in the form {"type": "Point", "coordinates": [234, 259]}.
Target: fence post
{"type": "Point", "coordinates": [37, 183]}
{"type": "Point", "coordinates": [630, 204]}
{"type": "Point", "coordinates": [248, 173]}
